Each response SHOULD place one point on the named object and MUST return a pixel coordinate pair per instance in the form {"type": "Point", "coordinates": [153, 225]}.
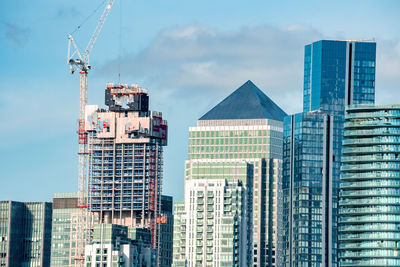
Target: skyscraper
{"type": "Point", "coordinates": [229, 216]}
{"type": "Point", "coordinates": [125, 162]}
{"type": "Point", "coordinates": [25, 233]}
{"type": "Point", "coordinates": [369, 222]}
{"type": "Point", "coordinates": [336, 74]}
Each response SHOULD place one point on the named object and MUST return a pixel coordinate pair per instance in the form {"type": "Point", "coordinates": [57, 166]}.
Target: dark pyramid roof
{"type": "Point", "coordinates": [247, 102]}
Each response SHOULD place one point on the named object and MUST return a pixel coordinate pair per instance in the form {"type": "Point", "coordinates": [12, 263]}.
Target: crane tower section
{"type": "Point", "coordinates": [79, 61]}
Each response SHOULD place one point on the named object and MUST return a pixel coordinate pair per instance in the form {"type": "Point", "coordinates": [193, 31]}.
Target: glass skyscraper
{"type": "Point", "coordinates": [229, 217]}
{"type": "Point", "coordinates": [369, 207]}
{"type": "Point", "coordinates": [336, 74]}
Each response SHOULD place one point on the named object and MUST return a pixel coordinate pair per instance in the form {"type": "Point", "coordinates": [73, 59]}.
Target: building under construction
{"type": "Point", "coordinates": [125, 159]}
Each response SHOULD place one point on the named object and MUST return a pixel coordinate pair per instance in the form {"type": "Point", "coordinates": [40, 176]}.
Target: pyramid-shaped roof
{"type": "Point", "coordinates": [247, 102]}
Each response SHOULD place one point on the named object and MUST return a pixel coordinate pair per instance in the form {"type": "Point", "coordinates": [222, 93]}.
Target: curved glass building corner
{"type": "Point", "coordinates": [369, 206]}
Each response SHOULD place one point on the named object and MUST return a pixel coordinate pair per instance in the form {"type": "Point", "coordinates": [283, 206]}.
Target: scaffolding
{"type": "Point", "coordinates": [125, 158]}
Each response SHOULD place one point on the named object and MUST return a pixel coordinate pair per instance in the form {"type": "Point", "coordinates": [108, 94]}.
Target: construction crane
{"type": "Point", "coordinates": [79, 61]}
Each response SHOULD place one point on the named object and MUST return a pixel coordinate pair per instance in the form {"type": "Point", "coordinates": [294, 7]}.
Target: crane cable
{"type": "Point", "coordinates": [120, 42]}
{"type": "Point", "coordinates": [88, 17]}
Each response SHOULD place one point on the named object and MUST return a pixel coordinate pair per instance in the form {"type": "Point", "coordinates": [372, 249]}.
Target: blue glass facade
{"type": "Point", "coordinates": [307, 214]}
{"type": "Point", "coordinates": [369, 224]}
{"type": "Point", "coordinates": [336, 74]}
{"type": "Point", "coordinates": [25, 233]}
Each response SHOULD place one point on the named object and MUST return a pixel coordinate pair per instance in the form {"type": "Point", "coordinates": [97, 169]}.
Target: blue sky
{"type": "Point", "coordinates": [189, 54]}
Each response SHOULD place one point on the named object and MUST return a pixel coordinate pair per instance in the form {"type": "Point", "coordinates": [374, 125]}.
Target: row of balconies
{"type": "Point", "coordinates": [375, 218]}
{"type": "Point", "coordinates": [385, 174]}
{"type": "Point", "coordinates": [384, 140]}
{"type": "Point", "coordinates": [370, 201]}
{"type": "Point", "coordinates": [372, 123]}
{"type": "Point", "coordinates": [371, 193]}
{"type": "Point", "coordinates": [372, 166]}
{"type": "Point", "coordinates": [382, 209]}
{"type": "Point", "coordinates": [368, 227]}
{"type": "Point", "coordinates": [373, 115]}
{"type": "Point", "coordinates": [375, 244]}
{"type": "Point", "coordinates": [371, 149]}
{"type": "Point", "coordinates": [369, 236]}
{"type": "Point", "coordinates": [370, 158]}
{"type": "Point", "coordinates": [373, 132]}
{"type": "Point", "coordinates": [371, 184]}
{"type": "Point", "coordinates": [370, 257]}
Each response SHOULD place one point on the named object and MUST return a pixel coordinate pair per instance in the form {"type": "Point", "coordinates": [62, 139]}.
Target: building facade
{"type": "Point", "coordinates": [166, 231]}
{"type": "Point", "coordinates": [336, 74]}
{"type": "Point", "coordinates": [220, 210]}
{"type": "Point", "coordinates": [369, 222]}
{"type": "Point", "coordinates": [179, 238]}
{"type": "Point", "coordinates": [25, 233]}
{"type": "Point", "coordinates": [120, 246]}
{"type": "Point", "coordinates": [64, 217]}
{"type": "Point", "coordinates": [241, 134]}
{"type": "Point", "coordinates": [125, 162]}
{"type": "Point", "coordinates": [307, 189]}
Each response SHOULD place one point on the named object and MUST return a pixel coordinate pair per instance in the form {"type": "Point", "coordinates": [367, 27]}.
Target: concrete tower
{"type": "Point", "coordinates": [125, 162]}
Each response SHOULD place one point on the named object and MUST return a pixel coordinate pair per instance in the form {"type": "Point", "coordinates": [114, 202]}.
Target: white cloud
{"type": "Point", "coordinates": [196, 61]}
{"type": "Point", "coordinates": [190, 69]}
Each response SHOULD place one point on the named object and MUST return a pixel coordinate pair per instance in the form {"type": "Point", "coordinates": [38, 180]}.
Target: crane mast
{"type": "Point", "coordinates": [81, 62]}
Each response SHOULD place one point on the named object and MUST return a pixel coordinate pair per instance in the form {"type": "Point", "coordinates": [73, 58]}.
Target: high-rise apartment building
{"type": "Point", "coordinates": [125, 162]}
{"type": "Point", "coordinates": [64, 212]}
{"type": "Point", "coordinates": [229, 216]}
{"type": "Point", "coordinates": [336, 74]}
{"type": "Point", "coordinates": [369, 222]}
{"type": "Point", "coordinates": [218, 211]}
{"type": "Point", "coordinates": [25, 233]}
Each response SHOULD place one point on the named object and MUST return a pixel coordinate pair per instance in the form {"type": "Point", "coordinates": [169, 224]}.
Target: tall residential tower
{"type": "Point", "coordinates": [369, 222]}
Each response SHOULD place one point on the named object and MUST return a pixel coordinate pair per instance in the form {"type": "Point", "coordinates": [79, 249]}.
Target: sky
{"type": "Point", "coordinates": [190, 55]}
